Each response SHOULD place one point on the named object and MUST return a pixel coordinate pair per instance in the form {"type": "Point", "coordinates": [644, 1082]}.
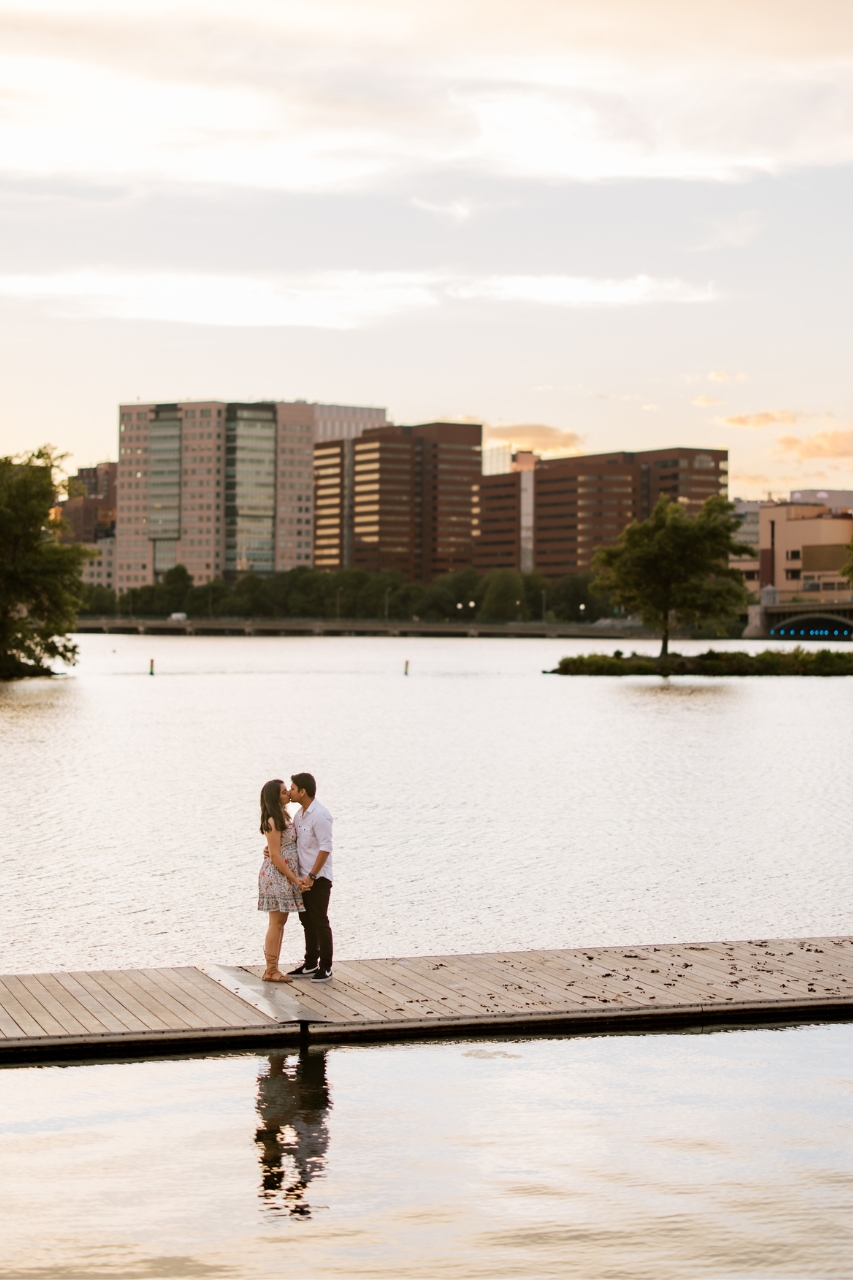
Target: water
{"type": "Point", "coordinates": [478, 805]}
{"type": "Point", "coordinates": [649, 1158]}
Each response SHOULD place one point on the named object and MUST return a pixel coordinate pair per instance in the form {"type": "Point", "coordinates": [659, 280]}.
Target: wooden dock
{"type": "Point", "coordinates": [130, 1013]}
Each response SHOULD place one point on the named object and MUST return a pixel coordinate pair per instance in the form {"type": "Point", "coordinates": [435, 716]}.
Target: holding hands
{"type": "Point", "coordinates": [304, 883]}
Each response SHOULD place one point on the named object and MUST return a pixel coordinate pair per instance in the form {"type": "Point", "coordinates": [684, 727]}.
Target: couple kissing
{"type": "Point", "coordinates": [296, 875]}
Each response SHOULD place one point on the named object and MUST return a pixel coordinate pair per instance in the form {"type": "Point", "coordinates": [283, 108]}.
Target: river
{"type": "Point", "coordinates": [479, 805]}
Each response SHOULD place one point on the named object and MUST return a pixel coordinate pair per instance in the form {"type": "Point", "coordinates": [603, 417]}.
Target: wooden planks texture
{"type": "Point", "coordinates": [123, 1003]}
{"type": "Point", "coordinates": [802, 975]}
{"type": "Point", "coordinates": [605, 985]}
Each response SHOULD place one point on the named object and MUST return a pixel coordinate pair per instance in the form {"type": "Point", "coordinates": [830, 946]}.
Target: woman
{"type": "Point", "coordinates": [278, 882]}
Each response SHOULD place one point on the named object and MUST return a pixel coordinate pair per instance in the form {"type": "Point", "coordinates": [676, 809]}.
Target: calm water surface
{"type": "Point", "coordinates": [648, 1158]}
{"type": "Point", "coordinates": [478, 805]}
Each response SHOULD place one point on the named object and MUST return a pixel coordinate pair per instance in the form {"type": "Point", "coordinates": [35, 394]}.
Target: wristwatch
{"type": "Point", "coordinates": [311, 876]}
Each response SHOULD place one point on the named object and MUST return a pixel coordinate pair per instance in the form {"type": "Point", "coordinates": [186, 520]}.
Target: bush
{"type": "Point", "coordinates": [799, 662]}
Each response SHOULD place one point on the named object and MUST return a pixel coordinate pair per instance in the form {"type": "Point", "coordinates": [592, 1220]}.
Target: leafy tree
{"type": "Point", "coordinates": [566, 596]}
{"type": "Point", "coordinates": [673, 568]}
{"type": "Point", "coordinates": [40, 583]}
{"type": "Point", "coordinates": [534, 584]}
{"type": "Point", "coordinates": [504, 600]}
{"type": "Point", "coordinates": [97, 601]}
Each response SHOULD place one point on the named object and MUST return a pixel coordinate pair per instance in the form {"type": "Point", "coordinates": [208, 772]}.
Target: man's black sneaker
{"type": "Point", "coordinates": [303, 971]}
{"type": "Point", "coordinates": [322, 975]}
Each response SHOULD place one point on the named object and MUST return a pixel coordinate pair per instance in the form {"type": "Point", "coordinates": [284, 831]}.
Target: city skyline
{"type": "Point", "coordinates": [589, 227]}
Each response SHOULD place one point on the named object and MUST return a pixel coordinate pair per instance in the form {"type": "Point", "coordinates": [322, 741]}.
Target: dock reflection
{"type": "Point", "coordinates": [293, 1104]}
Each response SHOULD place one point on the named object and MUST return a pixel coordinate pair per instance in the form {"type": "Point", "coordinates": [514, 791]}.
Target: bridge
{"type": "Point", "coordinates": [614, 630]}
{"type": "Point", "coordinates": [800, 620]}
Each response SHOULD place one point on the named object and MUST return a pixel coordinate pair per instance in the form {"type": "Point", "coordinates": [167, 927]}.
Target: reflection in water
{"type": "Point", "coordinates": [293, 1102]}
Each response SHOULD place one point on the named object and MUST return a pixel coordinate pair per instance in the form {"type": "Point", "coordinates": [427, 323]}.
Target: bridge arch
{"type": "Point", "coordinates": [821, 625]}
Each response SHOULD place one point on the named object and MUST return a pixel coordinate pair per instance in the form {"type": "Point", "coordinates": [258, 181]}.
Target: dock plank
{"type": "Point", "coordinates": [403, 983]}
{"type": "Point", "coordinates": [39, 1021]}
{"type": "Point", "coordinates": [75, 1017]}
{"type": "Point", "coordinates": [103, 993]}
{"type": "Point", "coordinates": [218, 1012]}
{"type": "Point", "coordinates": [98, 1007]}
{"type": "Point", "coordinates": [590, 988]}
{"type": "Point", "coordinates": [244, 1015]}
{"type": "Point", "coordinates": [127, 998]}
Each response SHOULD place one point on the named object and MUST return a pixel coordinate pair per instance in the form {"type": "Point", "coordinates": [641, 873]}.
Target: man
{"type": "Point", "coordinates": [313, 824]}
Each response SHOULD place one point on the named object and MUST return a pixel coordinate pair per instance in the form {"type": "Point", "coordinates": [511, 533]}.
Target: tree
{"type": "Point", "coordinates": [504, 600]}
{"type": "Point", "coordinates": [673, 568]}
{"type": "Point", "coordinates": [40, 584]}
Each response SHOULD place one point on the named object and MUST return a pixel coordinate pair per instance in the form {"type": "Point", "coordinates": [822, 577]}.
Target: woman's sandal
{"type": "Point", "coordinates": [275, 975]}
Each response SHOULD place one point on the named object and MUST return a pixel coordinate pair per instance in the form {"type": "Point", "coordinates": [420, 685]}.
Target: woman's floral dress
{"type": "Point", "coordinates": [275, 892]}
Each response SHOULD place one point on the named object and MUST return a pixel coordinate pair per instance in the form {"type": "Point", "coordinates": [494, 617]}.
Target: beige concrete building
{"type": "Point", "coordinates": [222, 488]}
{"type": "Point", "coordinates": [100, 570]}
{"type": "Point", "coordinates": [802, 548]}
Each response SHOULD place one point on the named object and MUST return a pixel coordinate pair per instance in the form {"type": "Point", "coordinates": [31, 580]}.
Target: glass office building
{"type": "Point", "coordinates": [250, 488]}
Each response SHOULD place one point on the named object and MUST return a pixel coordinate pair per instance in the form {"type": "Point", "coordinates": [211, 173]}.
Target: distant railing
{"type": "Point", "coordinates": [614, 629]}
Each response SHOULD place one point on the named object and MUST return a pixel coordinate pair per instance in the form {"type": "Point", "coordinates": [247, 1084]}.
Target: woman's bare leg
{"type": "Point", "coordinates": [272, 947]}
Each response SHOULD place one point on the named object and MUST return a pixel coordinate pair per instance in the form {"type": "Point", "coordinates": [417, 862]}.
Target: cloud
{"type": "Point", "coordinates": [823, 444]}
{"type": "Point", "coordinates": [583, 291]}
{"type": "Point", "coordinates": [457, 210]}
{"type": "Point", "coordinates": [748, 478]}
{"type": "Point", "coordinates": [767, 418]}
{"type": "Point", "coordinates": [716, 376]}
{"type": "Point", "coordinates": [331, 300]}
{"type": "Point", "coordinates": [308, 97]}
{"type": "Point", "coordinates": [702, 402]}
{"type": "Point", "coordinates": [542, 439]}
{"type": "Point", "coordinates": [735, 232]}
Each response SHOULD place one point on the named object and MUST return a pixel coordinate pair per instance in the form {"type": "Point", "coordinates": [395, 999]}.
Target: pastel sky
{"type": "Point", "coordinates": [591, 224]}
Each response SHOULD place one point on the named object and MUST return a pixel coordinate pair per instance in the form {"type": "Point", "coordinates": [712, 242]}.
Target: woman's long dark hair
{"type": "Point", "coordinates": [271, 807]}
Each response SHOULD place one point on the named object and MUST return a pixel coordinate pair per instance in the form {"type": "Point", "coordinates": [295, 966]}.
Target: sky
{"type": "Point", "coordinates": [589, 224]}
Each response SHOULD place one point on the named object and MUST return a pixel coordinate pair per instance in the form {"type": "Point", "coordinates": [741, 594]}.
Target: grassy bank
{"type": "Point", "coordinates": [771, 662]}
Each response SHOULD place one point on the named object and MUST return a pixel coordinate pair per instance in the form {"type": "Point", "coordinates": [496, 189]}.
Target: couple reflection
{"type": "Point", "coordinates": [293, 1102]}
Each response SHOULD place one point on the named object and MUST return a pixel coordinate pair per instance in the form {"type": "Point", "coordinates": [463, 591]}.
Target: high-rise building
{"type": "Point", "coordinates": [222, 488]}
{"type": "Point", "coordinates": [383, 503]}
{"type": "Point", "coordinates": [99, 482]}
{"type": "Point", "coordinates": [505, 533]}
{"type": "Point", "coordinates": [555, 516]}
{"type": "Point", "coordinates": [399, 497]}
{"type": "Point", "coordinates": [89, 518]}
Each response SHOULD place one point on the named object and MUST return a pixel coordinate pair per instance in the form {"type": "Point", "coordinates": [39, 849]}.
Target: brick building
{"type": "Point", "coordinates": [555, 516]}
{"type": "Point", "coordinates": [399, 498]}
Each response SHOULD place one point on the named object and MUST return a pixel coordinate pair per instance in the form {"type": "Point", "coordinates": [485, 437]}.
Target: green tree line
{"type": "Point", "coordinates": [500, 596]}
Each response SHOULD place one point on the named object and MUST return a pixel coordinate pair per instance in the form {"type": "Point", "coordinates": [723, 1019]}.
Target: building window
{"type": "Point", "coordinates": [793, 575]}
{"type": "Point", "coordinates": [793, 555]}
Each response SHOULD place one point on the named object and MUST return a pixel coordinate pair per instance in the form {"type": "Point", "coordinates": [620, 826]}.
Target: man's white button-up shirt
{"type": "Point", "coordinates": [313, 833]}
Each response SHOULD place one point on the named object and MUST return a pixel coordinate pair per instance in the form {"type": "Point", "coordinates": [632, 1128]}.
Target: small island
{"type": "Point", "coordinates": [770, 662]}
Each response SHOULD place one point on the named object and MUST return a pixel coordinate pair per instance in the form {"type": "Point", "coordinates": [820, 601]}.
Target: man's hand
{"type": "Point", "coordinates": [305, 883]}
{"type": "Point", "coordinates": [266, 851]}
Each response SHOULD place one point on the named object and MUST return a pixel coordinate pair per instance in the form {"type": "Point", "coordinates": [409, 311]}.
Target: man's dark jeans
{"type": "Point", "coordinates": [315, 922]}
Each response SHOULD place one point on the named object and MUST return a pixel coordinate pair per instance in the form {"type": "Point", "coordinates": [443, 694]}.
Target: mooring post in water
{"type": "Point", "coordinates": [151, 667]}
{"type": "Point", "coordinates": [406, 668]}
